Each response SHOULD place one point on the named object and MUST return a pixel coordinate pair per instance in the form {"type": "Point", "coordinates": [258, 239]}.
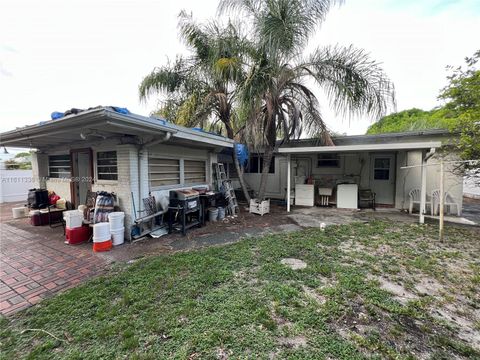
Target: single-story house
{"type": "Point", "coordinates": [105, 150]}
{"type": "Point", "coordinates": [372, 162]}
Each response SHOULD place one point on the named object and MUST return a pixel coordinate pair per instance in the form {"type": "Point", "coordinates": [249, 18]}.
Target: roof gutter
{"type": "Point", "coordinates": [131, 121]}
{"type": "Point", "coordinates": [361, 147]}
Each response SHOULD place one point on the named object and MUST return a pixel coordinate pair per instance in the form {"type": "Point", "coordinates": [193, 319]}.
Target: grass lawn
{"type": "Point", "coordinates": [376, 290]}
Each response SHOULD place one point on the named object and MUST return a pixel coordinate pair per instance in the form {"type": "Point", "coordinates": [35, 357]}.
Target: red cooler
{"type": "Point", "coordinates": [77, 235]}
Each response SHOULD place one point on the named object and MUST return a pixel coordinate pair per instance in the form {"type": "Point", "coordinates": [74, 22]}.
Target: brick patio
{"type": "Point", "coordinates": [36, 263]}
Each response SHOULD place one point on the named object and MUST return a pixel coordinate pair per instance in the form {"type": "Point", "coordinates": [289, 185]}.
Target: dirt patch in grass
{"type": "Point", "coordinates": [293, 342]}
{"type": "Point", "coordinates": [294, 264]}
{"type": "Point", "coordinates": [429, 286]}
{"type": "Point", "coordinates": [398, 291]}
{"type": "Point", "coordinates": [313, 295]}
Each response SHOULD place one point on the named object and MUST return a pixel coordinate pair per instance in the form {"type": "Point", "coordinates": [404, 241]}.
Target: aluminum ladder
{"type": "Point", "coordinates": [224, 184]}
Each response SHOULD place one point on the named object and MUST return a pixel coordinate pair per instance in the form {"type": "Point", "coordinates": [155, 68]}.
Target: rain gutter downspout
{"type": "Point", "coordinates": [429, 154]}
{"type": "Point", "coordinates": [141, 148]}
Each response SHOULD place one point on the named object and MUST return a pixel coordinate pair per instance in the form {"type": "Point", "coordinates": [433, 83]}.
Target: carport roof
{"type": "Point", "coordinates": [108, 123]}
{"type": "Point", "coordinates": [361, 147]}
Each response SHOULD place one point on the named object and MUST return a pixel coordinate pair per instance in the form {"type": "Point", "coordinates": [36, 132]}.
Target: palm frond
{"type": "Point", "coordinates": [354, 84]}
{"type": "Point", "coordinates": [167, 78]}
{"type": "Point", "coordinates": [282, 27]}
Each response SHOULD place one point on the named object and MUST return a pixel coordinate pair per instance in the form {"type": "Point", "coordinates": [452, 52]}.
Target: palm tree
{"type": "Point", "coordinates": [280, 106]}
{"type": "Point", "coordinates": [200, 88]}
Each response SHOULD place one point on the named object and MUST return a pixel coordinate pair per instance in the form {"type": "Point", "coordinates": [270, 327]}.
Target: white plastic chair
{"type": "Point", "coordinates": [448, 203]}
{"type": "Point", "coordinates": [414, 196]}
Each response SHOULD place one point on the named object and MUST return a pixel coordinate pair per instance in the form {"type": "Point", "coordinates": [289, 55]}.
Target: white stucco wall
{"type": "Point", "coordinates": [409, 179]}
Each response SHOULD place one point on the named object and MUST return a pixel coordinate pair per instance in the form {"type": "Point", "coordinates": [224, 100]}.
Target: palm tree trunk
{"type": "Point", "coordinates": [267, 159]}
{"type": "Point", "coordinates": [239, 169]}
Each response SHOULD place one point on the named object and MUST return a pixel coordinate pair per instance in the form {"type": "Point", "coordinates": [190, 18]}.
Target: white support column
{"type": "Point", "coordinates": [423, 189]}
{"type": "Point", "coordinates": [289, 161]}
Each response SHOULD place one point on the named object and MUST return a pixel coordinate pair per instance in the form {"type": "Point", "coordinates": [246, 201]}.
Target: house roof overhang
{"type": "Point", "coordinates": [361, 148]}
{"type": "Point", "coordinates": [105, 123]}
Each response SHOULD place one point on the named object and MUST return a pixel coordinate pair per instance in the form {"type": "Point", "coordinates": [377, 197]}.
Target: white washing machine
{"type": "Point", "coordinates": [347, 196]}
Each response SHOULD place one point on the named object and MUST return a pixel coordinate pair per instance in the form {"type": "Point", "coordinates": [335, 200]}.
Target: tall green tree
{"type": "Point", "coordinates": [460, 112]}
{"type": "Point", "coordinates": [277, 104]}
{"type": "Point", "coordinates": [200, 89]}
{"type": "Point", "coordinates": [462, 101]}
{"type": "Point", "coordinates": [412, 120]}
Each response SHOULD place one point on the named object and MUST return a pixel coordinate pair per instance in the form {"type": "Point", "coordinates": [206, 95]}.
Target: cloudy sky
{"type": "Point", "coordinates": [55, 55]}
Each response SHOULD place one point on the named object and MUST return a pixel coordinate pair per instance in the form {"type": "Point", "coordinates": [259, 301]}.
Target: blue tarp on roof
{"type": "Point", "coordinates": [58, 115]}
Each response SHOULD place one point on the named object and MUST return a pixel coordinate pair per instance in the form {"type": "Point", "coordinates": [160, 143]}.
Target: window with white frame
{"type": "Point", "coordinates": [59, 166]}
{"type": "Point", "coordinates": [163, 171]}
{"type": "Point", "coordinates": [107, 165]}
{"type": "Point", "coordinates": [194, 171]}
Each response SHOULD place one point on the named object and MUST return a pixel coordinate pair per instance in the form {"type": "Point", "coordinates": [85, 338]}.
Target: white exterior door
{"type": "Point", "coordinates": [303, 167]}
{"type": "Point", "coordinates": [382, 178]}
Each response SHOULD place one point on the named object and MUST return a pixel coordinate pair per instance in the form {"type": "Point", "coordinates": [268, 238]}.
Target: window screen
{"type": "Point", "coordinates": [59, 166]}
{"type": "Point", "coordinates": [381, 169]}
{"type": "Point", "coordinates": [328, 160]}
{"type": "Point", "coordinates": [163, 171]}
{"type": "Point", "coordinates": [194, 171]}
{"type": "Point", "coordinates": [107, 165]}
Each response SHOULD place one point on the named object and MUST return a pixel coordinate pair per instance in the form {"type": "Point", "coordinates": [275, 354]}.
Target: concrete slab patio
{"type": "Point", "coordinates": [35, 263]}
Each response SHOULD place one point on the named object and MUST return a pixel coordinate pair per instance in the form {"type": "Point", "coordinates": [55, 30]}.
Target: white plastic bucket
{"type": "Point", "coordinates": [73, 218]}
{"type": "Point", "coordinates": [101, 232]}
{"type": "Point", "coordinates": [221, 213]}
{"type": "Point", "coordinates": [213, 214]}
{"type": "Point", "coordinates": [18, 212]}
{"type": "Point", "coordinates": [118, 236]}
{"type": "Point", "coordinates": [116, 220]}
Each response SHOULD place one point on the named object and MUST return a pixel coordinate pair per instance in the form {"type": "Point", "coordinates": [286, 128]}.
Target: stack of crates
{"type": "Point", "coordinates": [75, 231]}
